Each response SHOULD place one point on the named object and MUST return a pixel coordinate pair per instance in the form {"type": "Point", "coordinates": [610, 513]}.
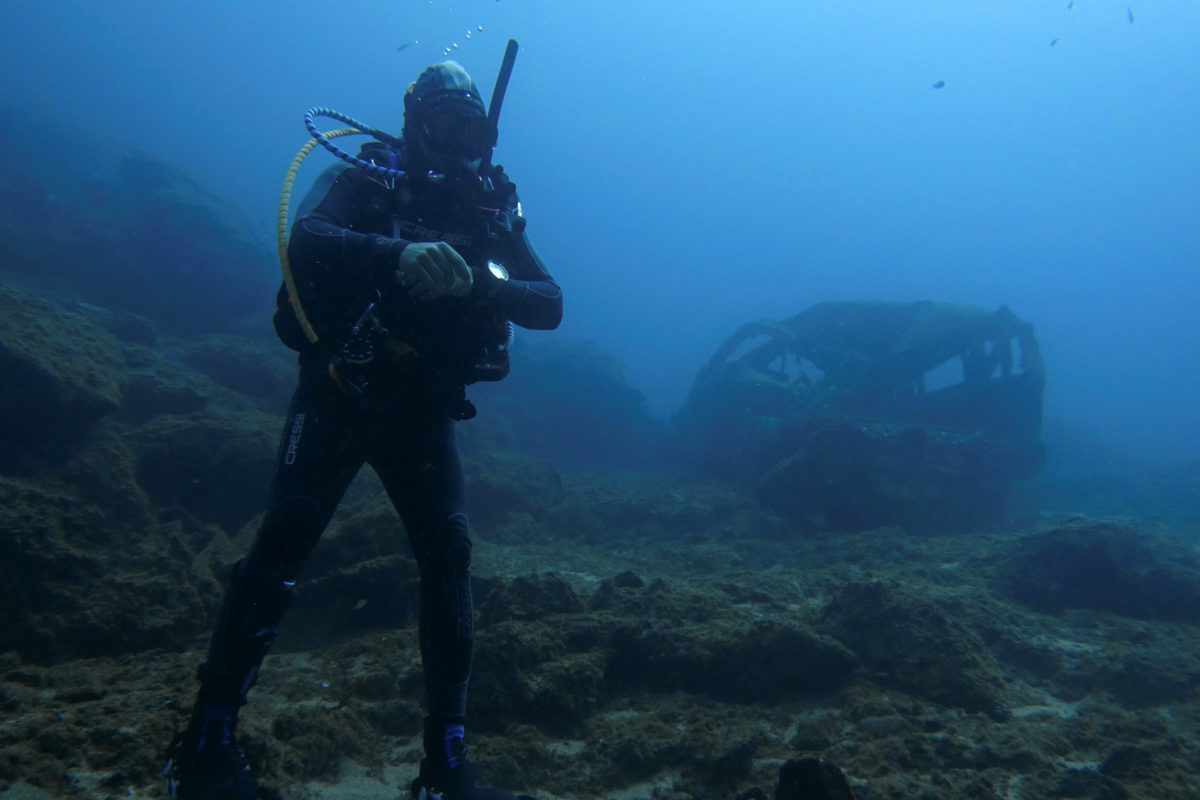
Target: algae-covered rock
{"type": "Point", "coordinates": [260, 369]}
{"type": "Point", "coordinates": [525, 670]}
{"type": "Point", "coordinates": [734, 658]}
{"type": "Point", "coordinates": [103, 471]}
{"type": "Point", "coordinates": [666, 638]}
{"type": "Point", "coordinates": [149, 393]}
{"type": "Point", "coordinates": [61, 374]}
{"type": "Point", "coordinates": [74, 584]}
{"type": "Point", "coordinates": [616, 505]}
{"type": "Point", "coordinates": [914, 643]}
{"type": "Point", "coordinates": [126, 326]}
{"type": "Point", "coordinates": [708, 753]}
{"type": "Point", "coordinates": [529, 597]}
{"type": "Point", "coordinates": [503, 484]}
{"type": "Point", "coordinates": [1106, 566]}
{"type": "Point", "coordinates": [540, 657]}
{"type": "Point", "coordinates": [216, 468]}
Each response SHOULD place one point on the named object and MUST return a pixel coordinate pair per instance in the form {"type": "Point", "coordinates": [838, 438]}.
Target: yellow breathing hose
{"type": "Point", "coordinates": [281, 229]}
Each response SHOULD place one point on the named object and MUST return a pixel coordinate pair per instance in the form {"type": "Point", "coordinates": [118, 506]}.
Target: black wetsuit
{"type": "Point", "coordinates": [344, 252]}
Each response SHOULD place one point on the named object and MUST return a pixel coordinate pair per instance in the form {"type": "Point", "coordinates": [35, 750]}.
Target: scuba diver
{"type": "Point", "coordinates": [409, 267]}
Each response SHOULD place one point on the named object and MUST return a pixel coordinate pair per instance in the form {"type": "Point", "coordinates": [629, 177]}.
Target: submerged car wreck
{"type": "Point", "coordinates": [856, 415]}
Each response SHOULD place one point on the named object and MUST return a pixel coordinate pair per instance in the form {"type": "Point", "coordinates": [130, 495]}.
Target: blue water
{"type": "Point", "coordinates": [686, 167]}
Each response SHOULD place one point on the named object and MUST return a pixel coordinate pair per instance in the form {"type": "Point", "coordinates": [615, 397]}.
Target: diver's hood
{"type": "Point", "coordinates": [445, 79]}
{"type": "Point", "coordinates": [441, 91]}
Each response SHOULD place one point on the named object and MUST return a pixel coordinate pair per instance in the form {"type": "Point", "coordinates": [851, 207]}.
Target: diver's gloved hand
{"type": "Point", "coordinates": [429, 270]}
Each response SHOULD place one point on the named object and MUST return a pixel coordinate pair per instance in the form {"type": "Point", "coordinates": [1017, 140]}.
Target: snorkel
{"type": "Point", "coordinates": [386, 174]}
{"type": "Point", "coordinates": [499, 90]}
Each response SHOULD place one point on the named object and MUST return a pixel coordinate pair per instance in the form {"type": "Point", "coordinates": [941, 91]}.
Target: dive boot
{"type": "Point", "coordinates": [205, 762]}
{"type": "Point", "coordinates": [446, 774]}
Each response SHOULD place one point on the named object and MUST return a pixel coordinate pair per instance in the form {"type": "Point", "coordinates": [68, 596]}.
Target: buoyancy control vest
{"type": "Point", "coordinates": [457, 341]}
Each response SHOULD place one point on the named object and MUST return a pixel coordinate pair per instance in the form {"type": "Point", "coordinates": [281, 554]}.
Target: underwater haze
{"type": "Point", "coordinates": [687, 167]}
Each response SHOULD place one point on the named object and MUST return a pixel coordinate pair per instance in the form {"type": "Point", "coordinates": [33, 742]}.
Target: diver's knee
{"type": "Point", "coordinates": [260, 584]}
{"type": "Point", "coordinates": [450, 548]}
{"type": "Point", "coordinates": [289, 532]}
{"type": "Point", "coordinates": [293, 514]}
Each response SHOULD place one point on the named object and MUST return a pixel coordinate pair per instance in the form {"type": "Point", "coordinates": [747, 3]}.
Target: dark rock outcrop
{"type": "Point", "coordinates": [73, 584]}
{"type": "Point", "coordinates": [260, 369]}
{"type": "Point", "coordinates": [1104, 566]}
{"type": "Point", "coordinates": [216, 468]}
{"type": "Point", "coordinates": [61, 374]}
{"type": "Point", "coordinates": [913, 643]}
{"type": "Point", "coordinates": [501, 485]}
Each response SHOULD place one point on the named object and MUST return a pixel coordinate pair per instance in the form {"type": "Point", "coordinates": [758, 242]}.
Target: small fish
{"type": "Point", "coordinates": [1053, 42]}
{"type": "Point", "coordinates": [1130, 10]}
{"type": "Point", "coordinates": [403, 47]}
{"type": "Point", "coordinates": [939, 85]}
{"type": "Point", "coordinates": [1070, 5]}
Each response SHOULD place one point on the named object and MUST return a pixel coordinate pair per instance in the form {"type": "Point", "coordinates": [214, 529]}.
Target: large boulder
{"type": "Point", "coordinates": [216, 468]}
{"type": "Point", "coordinates": [74, 583]}
{"type": "Point", "coordinates": [131, 234]}
{"type": "Point", "coordinates": [61, 374]}
{"type": "Point", "coordinates": [1103, 565]}
{"type": "Point", "coordinates": [260, 369]}
{"type": "Point", "coordinates": [917, 644]}
{"type": "Point", "coordinates": [550, 658]}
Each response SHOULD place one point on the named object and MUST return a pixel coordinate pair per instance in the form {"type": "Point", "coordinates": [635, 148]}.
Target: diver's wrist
{"type": "Point", "coordinates": [490, 278]}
